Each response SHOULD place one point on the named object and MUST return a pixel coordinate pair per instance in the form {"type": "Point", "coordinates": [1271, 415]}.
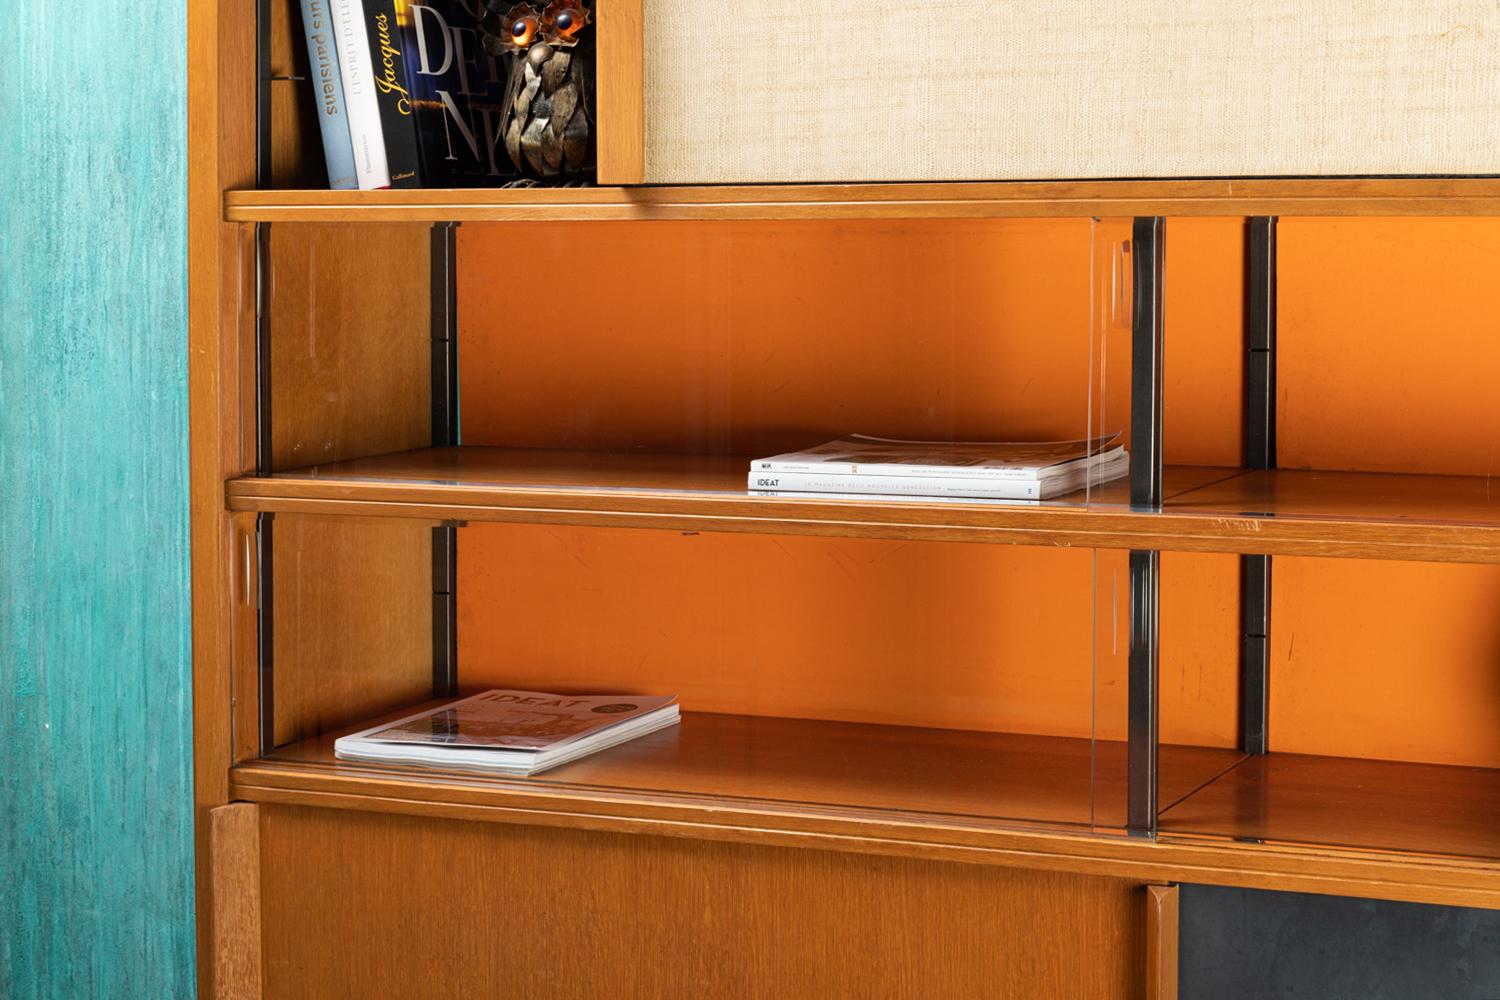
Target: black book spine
{"type": "Point", "coordinates": [398, 120]}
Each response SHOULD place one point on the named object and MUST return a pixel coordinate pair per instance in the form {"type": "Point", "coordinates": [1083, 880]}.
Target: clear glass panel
{"type": "Point", "coordinates": [668, 356]}
{"type": "Point", "coordinates": [757, 339]}
{"type": "Point", "coordinates": [833, 653]}
{"type": "Point", "coordinates": [826, 676]}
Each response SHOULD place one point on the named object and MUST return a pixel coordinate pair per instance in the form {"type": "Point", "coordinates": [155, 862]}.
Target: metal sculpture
{"type": "Point", "coordinates": [549, 127]}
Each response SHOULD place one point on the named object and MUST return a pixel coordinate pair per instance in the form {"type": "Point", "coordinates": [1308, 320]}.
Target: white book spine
{"type": "Point", "coordinates": [945, 486]}
{"type": "Point", "coordinates": [360, 103]}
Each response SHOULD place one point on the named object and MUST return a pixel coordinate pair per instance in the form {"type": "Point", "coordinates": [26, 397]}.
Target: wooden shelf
{"type": "Point", "coordinates": [1285, 512]}
{"type": "Point", "coordinates": [1031, 801]}
{"type": "Point", "coordinates": [1352, 803]}
{"type": "Point", "coordinates": [1242, 197]}
{"type": "Point", "coordinates": [757, 765]}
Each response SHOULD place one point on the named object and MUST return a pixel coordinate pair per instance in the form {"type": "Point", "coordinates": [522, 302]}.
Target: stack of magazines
{"type": "Point", "coordinates": [512, 732]}
{"type": "Point", "coordinates": [862, 465]}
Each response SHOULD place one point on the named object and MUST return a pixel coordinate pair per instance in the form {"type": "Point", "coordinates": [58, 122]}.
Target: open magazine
{"type": "Point", "coordinates": [514, 732]}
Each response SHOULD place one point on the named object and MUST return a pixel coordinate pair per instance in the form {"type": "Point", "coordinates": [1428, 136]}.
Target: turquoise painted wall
{"type": "Point", "coordinates": [95, 766]}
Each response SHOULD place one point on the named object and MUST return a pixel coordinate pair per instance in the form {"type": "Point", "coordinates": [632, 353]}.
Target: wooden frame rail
{"type": "Point", "coordinates": [966, 200]}
{"type": "Point", "coordinates": [1266, 512]}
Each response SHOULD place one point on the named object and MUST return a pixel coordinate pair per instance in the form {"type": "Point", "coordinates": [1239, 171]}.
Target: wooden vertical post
{"type": "Point", "coordinates": [1161, 942]}
{"type": "Point", "coordinates": [621, 99]}
{"type": "Point", "coordinates": [234, 866]}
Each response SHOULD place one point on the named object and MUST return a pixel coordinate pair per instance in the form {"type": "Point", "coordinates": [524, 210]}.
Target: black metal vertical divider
{"type": "Point", "coordinates": [264, 523]}
{"type": "Point", "coordinates": [1260, 453]}
{"type": "Point", "coordinates": [1148, 244]}
{"type": "Point", "coordinates": [263, 75]}
{"type": "Point", "coordinates": [445, 434]}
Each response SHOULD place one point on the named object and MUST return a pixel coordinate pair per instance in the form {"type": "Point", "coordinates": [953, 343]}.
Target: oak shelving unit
{"type": "Point", "coordinates": [1128, 812]}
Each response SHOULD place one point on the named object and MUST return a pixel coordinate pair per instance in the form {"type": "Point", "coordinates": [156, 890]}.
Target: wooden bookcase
{"type": "Point", "coordinates": [331, 488]}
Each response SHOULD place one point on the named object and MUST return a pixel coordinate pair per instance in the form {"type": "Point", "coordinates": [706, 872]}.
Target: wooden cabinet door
{"type": "Point", "coordinates": [357, 903]}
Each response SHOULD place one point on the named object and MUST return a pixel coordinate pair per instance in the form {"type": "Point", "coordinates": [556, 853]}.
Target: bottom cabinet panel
{"type": "Point", "coordinates": [1245, 944]}
{"type": "Point", "coordinates": [362, 904]}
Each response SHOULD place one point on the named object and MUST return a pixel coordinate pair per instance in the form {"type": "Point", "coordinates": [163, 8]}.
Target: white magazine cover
{"type": "Point", "coordinates": [863, 455]}
{"type": "Point", "coordinates": [506, 730]}
{"type": "Point", "coordinates": [951, 487]}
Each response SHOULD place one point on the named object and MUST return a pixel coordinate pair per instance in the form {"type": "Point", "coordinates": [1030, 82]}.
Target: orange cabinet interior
{"type": "Point", "coordinates": [749, 338]}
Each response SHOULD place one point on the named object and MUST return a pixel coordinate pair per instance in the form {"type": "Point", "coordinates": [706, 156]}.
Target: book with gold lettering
{"type": "Point", "coordinates": [513, 732]}
{"type": "Point", "coordinates": [398, 120]}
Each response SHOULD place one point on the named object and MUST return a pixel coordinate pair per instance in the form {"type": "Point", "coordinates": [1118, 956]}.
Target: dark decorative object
{"type": "Point", "coordinates": [549, 101]}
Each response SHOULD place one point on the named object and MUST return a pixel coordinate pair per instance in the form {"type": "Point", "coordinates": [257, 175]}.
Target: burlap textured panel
{"type": "Point", "coordinates": [1008, 89]}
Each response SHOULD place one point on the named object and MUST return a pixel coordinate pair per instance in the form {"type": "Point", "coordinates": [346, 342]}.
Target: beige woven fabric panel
{"type": "Point", "coordinates": [840, 90]}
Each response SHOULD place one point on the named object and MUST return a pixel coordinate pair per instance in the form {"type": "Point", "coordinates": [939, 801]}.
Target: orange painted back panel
{"type": "Point", "coordinates": [788, 626]}
{"type": "Point", "coordinates": [1396, 661]}
{"type": "Point", "coordinates": [758, 337]}
{"type": "Point", "coordinates": [1390, 345]}
{"type": "Point", "coordinates": [1389, 361]}
{"type": "Point", "coordinates": [748, 338]}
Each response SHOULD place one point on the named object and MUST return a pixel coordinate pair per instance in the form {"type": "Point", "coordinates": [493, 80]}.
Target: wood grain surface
{"type": "Point", "coordinates": [1207, 860]}
{"type": "Point", "coordinates": [1346, 802]}
{"type": "Point", "coordinates": [1161, 942]}
{"type": "Point", "coordinates": [353, 620]}
{"type": "Point", "coordinates": [621, 101]}
{"type": "Point", "coordinates": [359, 904]}
{"type": "Point", "coordinates": [1282, 512]}
{"type": "Point", "coordinates": [351, 354]}
{"type": "Point", "coordinates": [234, 852]}
{"type": "Point", "coordinates": [817, 767]}
{"type": "Point", "coordinates": [296, 145]}
{"type": "Point", "coordinates": [221, 280]}
{"type": "Point", "coordinates": [1306, 197]}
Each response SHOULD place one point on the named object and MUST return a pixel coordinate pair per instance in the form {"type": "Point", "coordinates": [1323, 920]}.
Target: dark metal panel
{"type": "Point", "coordinates": [445, 433]}
{"type": "Point", "coordinates": [1148, 244]}
{"type": "Point", "coordinates": [1141, 771]}
{"type": "Point", "coordinates": [265, 630]}
{"type": "Point", "coordinates": [1243, 944]}
{"type": "Point", "coordinates": [1260, 453]}
{"type": "Point", "coordinates": [444, 293]}
{"type": "Point", "coordinates": [263, 349]}
{"type": "Point", "coordinates": [1255, 673]}
{"type": "Point", "coordinates": [264, 544]}
{"type": "Point", "coordinates": [444, 611]}
{"type": "Point", "coordinates": [263, 93]}
{"type": "Point", "coordinates": [1148, 248]}
{"type": "Point", "coordinates": [1260, 343]}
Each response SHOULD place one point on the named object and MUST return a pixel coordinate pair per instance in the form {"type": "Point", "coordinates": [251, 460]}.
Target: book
{"type": "Point", "coordinates": [512, 732]}
{"type": "Point", "coordinates": [357, 73]}
{"type": "Point", "coordinates": [458, 95]}
{"type": "Point", "coordinates": [863, 455]}
{"type": "Point", "coordinates": [328, 92]}
{"type": "Point", "coordinates": [992, 488]}
{"type": "Point", "coordinates": [398, 122]}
